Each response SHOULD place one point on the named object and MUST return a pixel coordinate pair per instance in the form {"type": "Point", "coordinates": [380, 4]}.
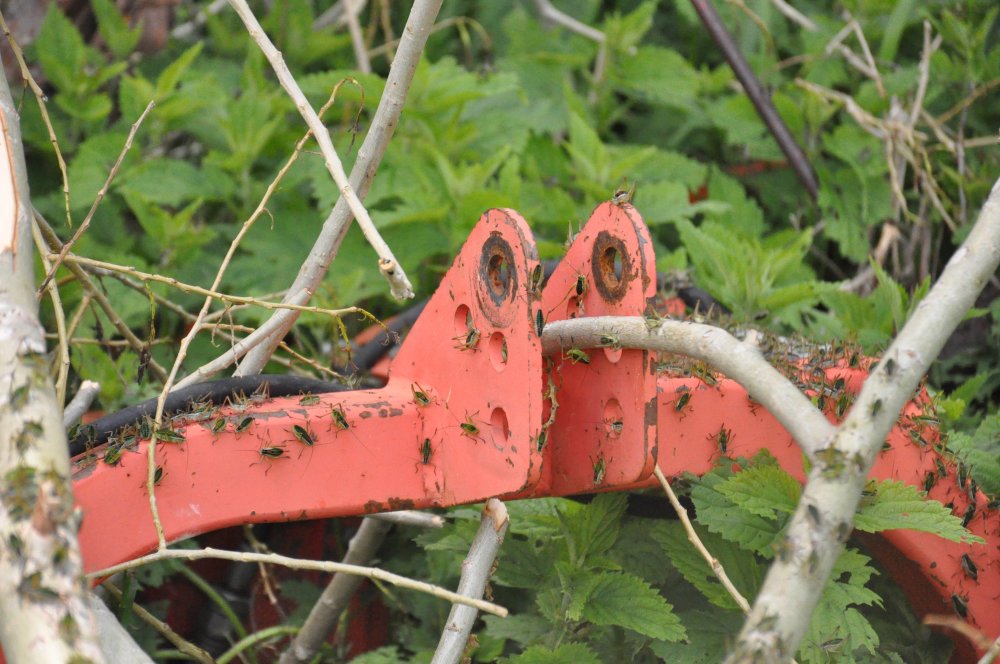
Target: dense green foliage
{"type": "Point", "coordinates": [524, 121]}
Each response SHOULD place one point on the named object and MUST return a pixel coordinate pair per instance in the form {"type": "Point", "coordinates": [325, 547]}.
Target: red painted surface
{"type": "Point", "coordinates": [493, 382]}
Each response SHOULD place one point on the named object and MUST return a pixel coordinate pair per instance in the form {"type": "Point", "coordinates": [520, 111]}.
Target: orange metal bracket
{"type": "Point", "coordinates": [468, 413]}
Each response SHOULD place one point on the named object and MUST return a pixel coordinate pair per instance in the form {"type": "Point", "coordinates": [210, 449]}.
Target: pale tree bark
{"type": "Point", "coordinates": [843, 455]}
{"type": "Point", "coordinates": [43, 598]}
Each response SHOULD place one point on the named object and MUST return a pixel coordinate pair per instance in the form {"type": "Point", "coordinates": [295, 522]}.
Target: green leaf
{"type": "Point", "coordinates": [593, 530]}
{"type": "Point", "coordinates": [174, 72]}
{"type": "Point", "coordinates": [657, 75]}
{"type": "Point", "coordinates": [709, 637]}
{"type": "Point", "coordinates": [523, 629]}
{"type": "Point", "coordinates": [628, 601]}
{"type": "Point", "coordinates": [114, 28]}
{"type": "Point", "coordinates": [764, 489]}
{"type": "Point", "coordinates": [741, 566]}
{"type": "Point", "coordinates": [900, 505]}
{"type": "Point", "coordinates": [980, 451]}
{"type": "Point", "coordinates": [568, 653]}
{"type": "Point", "coordinates": [60, 49]}
{"type": "Point", "coordinates": [172, 181]}
{"type": "Point", "coordinates": [721, 515]}
{"type": "Point", "coordinates": [384, 655]}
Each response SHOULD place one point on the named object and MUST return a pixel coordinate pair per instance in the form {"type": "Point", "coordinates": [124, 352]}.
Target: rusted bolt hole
{"type": "Point", "coordinates": [614, 423]}
{"type": "Point", "coordinates": [498, 351]}
{"type": "Point", "coordinates": [499, 276]}
{"type": "Point", "coordinates": [611, 267]}
{"type": "Point", "coordinates": [498, 420]}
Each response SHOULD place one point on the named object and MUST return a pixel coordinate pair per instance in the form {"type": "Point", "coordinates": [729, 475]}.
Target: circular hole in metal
{"type": "Point", "coordinates": [613, 354]}
{"type": "Point", "coordinates": [611, 267]}
{"type": "Point", "coordinates": [572, 307]}
{"type": "Point", "coordinates": [498, 351]}
{"type": "Point", "coordinates": [498, 273]}
{"type": "Point", "coordinates": [614, 423]}
{"type": "Point", "coordinates": [498, 420]}
{"type": "Point", "coordinates": [463, 321]}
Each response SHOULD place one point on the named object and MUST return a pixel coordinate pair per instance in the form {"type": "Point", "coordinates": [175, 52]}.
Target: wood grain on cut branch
{"type": "Point", "coordinates": [477, 568]}
{"type": "Point", "coordinates": [388, 265]}
{"type": "Point", "coordinates": [740, 360]}
{"type": "Point", "coordinates": [815, 535]}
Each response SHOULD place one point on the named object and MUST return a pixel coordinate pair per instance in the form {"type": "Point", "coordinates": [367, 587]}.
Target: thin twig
{"type": "Point", "coordinates": [357, 39]}
{"type": "Point", "coordinates": [62, 349]}
{"type": "Point", "coordinates": [411, 518]}
{"type": "Point", "coordinates": [97, 200]}
{"type": "Point", "coordinates": [477, 568]}
{"type": "Point", "coordinates": [81, 402]}
{"type": "Point", "coordinates": [326, 612]}
{"type": "Point", "coordinates": [99, 297]}
{"type": "Point", "coordinates": [991, 655]}
{"type": "Point", "coordinates": [296, 563]}
{"type": "Point", "coordinates": [383, 125]}
{"type": "Point", "coordinates": [552, 15]}
{"type": "Point", "coordinates": [41, 98]}
{"type": "Point", "coordinates": [198, 290]}
{"type": "Point", "coordinates": [393, 272]}
{"type": "Point", "coordinates": [717, 569]}
{"type": "Point", "coordinates": [794, 15]}
{"type": "Point", "coordinates": [968, 101]}
{"type": "Point", "coordinates": [980, 640]}
{"type": "Point", "coordinates": [184, 30]}
{"type": "Point", "coordinates": [162, 628]}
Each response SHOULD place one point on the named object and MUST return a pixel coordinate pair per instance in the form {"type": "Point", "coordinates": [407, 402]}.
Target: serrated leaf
{"type": "Point", "coordinates": [60, 49]}
{"type": "Point", "coordinates": [900, 505]}
{"type": "Point", "coordinates": [980, 451]}
{"type": "Point", "coordinates": [568, 653]}
{"type": "Point", "coordinates": [741, 566]}
{"type": "Point", "coordinates": [709, 637]}
{"type": "Point", "coordinates": [763, 489]}
{"type": "Point", "coordinates": [594, 529]}
{"type": "Point", "coordinates": [579, 585]}
{"type": "Point", "coordinates": [174, 72]}
{"type": "Point", "coordinates": [522, 629]}
{"type": "Point", "coordinates": [628, 601]}
{"type": "Point", "coordinates": [114, 28]}
{"type": "Point", "coordinates": [720, 515]}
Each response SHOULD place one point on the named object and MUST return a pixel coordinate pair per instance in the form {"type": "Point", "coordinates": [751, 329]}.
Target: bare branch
{"type": "Point", "coordinates": [337, 595]}
{"type": "Point", "coordinates": [553, 16]}
{"type": "Point", "coordinates": [816, 533]}
{"type": "Point", "coordinates": [741, 361]}
{"type": "Point", "coordinates": [476, 571]}
{"type": "Point", "coordinates": [179, 642]}
{"type": "Point", "coordinates": [80, 404]}
{"type": "Point", "coordinates": [296, 563]}
{"type": "Point", "coordinates": [397, 85]}
{"type": "Point", "coordinates": [97, 200]}
{"type": "Point", "coordinates": [717, 569]}
{"type": "Point", "coordinates": [411, 518]}
{"type": "Point", "coordinates": [357, 39]}
{"type": "Point", "coordinates": [393, 272]}
{"type": "Point", "coordinates": [37, 517]}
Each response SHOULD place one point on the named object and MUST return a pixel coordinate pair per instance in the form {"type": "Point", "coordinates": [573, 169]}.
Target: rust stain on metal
{"type": "Point", "coordinates": [609, 283]}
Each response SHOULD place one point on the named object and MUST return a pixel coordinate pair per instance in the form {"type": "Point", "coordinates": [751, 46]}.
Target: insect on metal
{"type": "Point", "coordinates": [970, 512]}
{"type": "Point", "coordinates": [309, 400]}
{"type": "Point", "coordinates": [930, 479]}
{"type": "Point", "coordinates": [535, 281]}
{"type": "Point", "coordinates": [609, 340]}
{"type": "Point", "coordinates": [157, 474]}
{"type": "Point", "coordinates": [581, 285]}
{"type": "Point", "coordinates": [218, 424]}
{"type": "Point", "coordinates": [267, 454]}
{"type": "Point", "coordinates": [302, 435]}
{"type": "Point", "coordinates": [600, 468]}
{"type": "Point", "coordinates": [539, 322]}
{"type": "Point", "coordinates": [969, 567]}
{"type": "Point", "coordinates": [723, 438]}
{"type": "Point", "coordinates": [170, 436]}
{"type": "Point", "coordinates": [961, 605]}
{"type": "Point", "coordinates": [469, 341]}
{"type": "Point", "coordinates": [623, 195]}
{"type": "Point", "coordinates": [244, 424]}
{"type": "Point", "coordinates": [577, 356]}
{"type": "Point", "coordinates": [682, 401]}
{"type": "Point", "coordinates": [426, 450]}
{"type": "Point", "coordinates": [420, 395]}
{"type": "Point", "coordinates": [339, 418]}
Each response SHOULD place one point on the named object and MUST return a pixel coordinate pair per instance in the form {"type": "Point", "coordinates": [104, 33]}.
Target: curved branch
{"type": "Point", "coordinates": [740, 360]}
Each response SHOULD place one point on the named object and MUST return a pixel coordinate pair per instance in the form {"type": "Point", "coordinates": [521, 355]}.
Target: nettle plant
{"type": "Point", "coordinates": [526, 121]}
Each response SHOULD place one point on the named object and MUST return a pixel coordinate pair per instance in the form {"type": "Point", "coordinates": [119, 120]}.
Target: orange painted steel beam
{"type": "Point", "coordinates": [467, 414]}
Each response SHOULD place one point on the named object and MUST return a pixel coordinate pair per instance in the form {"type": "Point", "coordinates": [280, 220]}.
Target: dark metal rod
{"type": "Point", "coordinates": [760, 98]}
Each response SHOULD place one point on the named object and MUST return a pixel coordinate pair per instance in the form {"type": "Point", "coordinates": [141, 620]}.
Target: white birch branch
{"type": "Point", "coordinates": [266, 338]}
{"type": "Point", "coordinates": [476, 571]}
{"type": "Point", "coordinates": [80, 404]}
{"type": "Point", "coordinates": [332, 603]}
{"type": "Point", "coordinates": [393, 272]}
{"type": "Point", "coordinates": [44, 616]}
{"type": "Point", "coordinates": [815, 535]}
{"type": "Point", "coordinates": [740, 360]}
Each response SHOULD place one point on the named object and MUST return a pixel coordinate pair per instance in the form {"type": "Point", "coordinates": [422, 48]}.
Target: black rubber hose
{"type": "Point", "coordinates": [215, 391]}
{"type": "Point", "coordinates": [366, 356]}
